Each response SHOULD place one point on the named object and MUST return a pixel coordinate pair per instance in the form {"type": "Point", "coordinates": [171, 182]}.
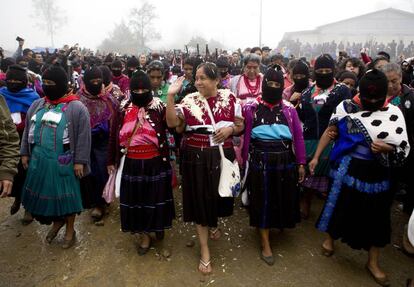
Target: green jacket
{"type": "Point", "coordinates": [9, 143]}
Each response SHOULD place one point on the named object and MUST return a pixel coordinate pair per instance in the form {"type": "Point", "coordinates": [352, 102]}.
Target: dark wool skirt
{"type": "Point", "coordinates": [200, 169]}
{"type": "Point", "coordinates": [273, 187]}
{"type": "Point", "coordinates": [357, 210]}
{"type": "Point", "coordinates": [146, 197]}
{"type": "Point", "coordinates": [92, 185]}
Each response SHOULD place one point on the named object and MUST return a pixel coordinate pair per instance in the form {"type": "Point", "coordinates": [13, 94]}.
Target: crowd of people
{"type": "Point", "coordinates": [78, 129]}
{"type": "Point", "coordinates": [296, 47]}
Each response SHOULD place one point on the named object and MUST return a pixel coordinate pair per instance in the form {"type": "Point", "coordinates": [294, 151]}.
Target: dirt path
{"type": "Point", "coordinates": [104, 256]}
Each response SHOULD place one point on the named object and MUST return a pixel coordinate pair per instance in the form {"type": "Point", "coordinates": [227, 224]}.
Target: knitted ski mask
{"type": "Point", "coordinates": [56, 85]}
{"type": "Point", "coordinates": [106, 75]}
{"type": "Point", "coordinates": [140, 81]}
{"type": "Point", "coordinates": [116, 68]}
{"type": "Point", "coordinates": [16, 78]}
{"type": "Point", "coordinates": [273, 95]}
{"type": "Point", "coordinates": [132, 64]}
{"type": "Point", "coordinates": [324, 61]}
{"type": "Point", "coordinates": [93, 80]}
{"type": "Point", "coordinates": [301, 68]}
{"type": "Point", "coordinates": [373, 88]}
{"type": "Point", "coordinates": [223, 64]}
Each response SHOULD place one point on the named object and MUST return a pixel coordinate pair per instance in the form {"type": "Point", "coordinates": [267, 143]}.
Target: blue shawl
{"type": "Point", "coordinates": [19, 102]}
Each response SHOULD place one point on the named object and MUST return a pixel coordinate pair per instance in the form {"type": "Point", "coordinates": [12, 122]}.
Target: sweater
{"type": "Point", "coordinates": [294, 127]}
{"type": "Point", "coordinates": [79, 131]}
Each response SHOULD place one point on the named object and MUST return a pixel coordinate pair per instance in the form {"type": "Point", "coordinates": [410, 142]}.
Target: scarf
{"type": "Point", "coordinates": [386, 124]}
{"type": "Point", "coordinates": [69, 97]}
{"type": "Point", "coordinates": [19, 102]}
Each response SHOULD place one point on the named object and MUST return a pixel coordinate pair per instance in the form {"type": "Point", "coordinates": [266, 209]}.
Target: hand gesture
{"type": "Point", "coordinates": [175, 87]}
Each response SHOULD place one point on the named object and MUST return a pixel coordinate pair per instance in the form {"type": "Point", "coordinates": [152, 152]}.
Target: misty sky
{"type": "Point", "coordinates": [235, 23]}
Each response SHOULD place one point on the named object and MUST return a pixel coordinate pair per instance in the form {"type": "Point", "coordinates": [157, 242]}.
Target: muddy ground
{"type": "Point", "coordinates": [104, 256]}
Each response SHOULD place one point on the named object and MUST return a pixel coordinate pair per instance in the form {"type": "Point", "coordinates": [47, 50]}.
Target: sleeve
{"type": "Point", "coordinates": [113, 137]}
{"type": "Point", "coordinates": [299, 143]}
{"type": "Point", "coordinates": [18, 53]}
{"type": "Point", "coordinates": [82, 145]}
{"type": "Point", "coordinates": [9, 144]}
{"type": "Point", "coordinates": [237, 109]}
{"type": "Point", "coordinates": [24, 146]}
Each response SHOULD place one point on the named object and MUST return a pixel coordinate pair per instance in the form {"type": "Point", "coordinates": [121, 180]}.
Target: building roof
{"type": "Point", "coordinates": [389, 10]}
{"type": "Point", "coordinates": [403, 22]}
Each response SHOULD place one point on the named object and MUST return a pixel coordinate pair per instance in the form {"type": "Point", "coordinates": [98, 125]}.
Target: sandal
{"type": "Point", "coordinates": [215, 233]}
{"type": "Point", "coordinates": [53, 233]}
{"type": "Point", "coordinates": [203, 267]}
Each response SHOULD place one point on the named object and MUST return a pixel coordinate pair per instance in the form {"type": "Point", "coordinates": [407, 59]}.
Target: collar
{"type": "Point", "coordinates": [69, 97]}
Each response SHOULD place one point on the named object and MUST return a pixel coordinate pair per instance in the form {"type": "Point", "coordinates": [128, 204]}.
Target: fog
{"type": "Point", "coordinates": [235, 23]}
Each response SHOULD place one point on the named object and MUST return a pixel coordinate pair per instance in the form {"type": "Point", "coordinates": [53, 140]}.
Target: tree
{"type": "Point", "coordinates": [50, 15]}
{"type": "Point", "coordinates": [142, 25]}
{"type": "Point", "coordinates": [121, 40]}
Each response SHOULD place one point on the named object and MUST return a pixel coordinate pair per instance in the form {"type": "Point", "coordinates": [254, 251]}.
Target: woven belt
{"type": "Point", "coordinates": [203, 141]}
{"type": "Point", "coordinates": [143, 151]}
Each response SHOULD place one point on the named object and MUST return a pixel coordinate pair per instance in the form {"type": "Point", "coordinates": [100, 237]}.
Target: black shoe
{"type": "Point", "coordinates": [15, 207]}
{"type": "Point", "coordinates": [270, 260]}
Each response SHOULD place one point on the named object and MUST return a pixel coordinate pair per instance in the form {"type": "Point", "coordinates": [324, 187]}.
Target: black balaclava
{"type": "Point", "coordinates": [108, 60]}
{"type": "Point", "coordinates": [223, 62]}
{"type": "Point", "coordinates": [56, 74]}
{"type": "Point", "coordinates": [116, 68]}
{"type": "Point", "coordinates": [324, 81]}
{"type": "Point", "coordinates": [22, 61]}
{"type": "Point", "coordinates": [303, 69]}
{"type": "Point", "coordinates": [5, 63]}
{"type": "Point", "coordinates": [90, 74]}
{"type": "Point", "coordinates": [34, 66]}
{"type": "Point", "coordinates": [269, 94]}
{"type": "Point", "coordinates": [106, 75]}
{"type": "Point", "coordinates": [16, 73]}
{"type": "Point", "coordinates": [131, 65]}
{"type": "Point", "coordinates": [140, 80]}
{"type": "Point", "coordinates": [373, 86]}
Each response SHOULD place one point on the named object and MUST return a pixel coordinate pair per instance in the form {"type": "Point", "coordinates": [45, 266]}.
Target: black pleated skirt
{"type": "Point", "coordinates": [146, 197]}
{"type": "Point", "coordinates": [272, 184]}
{"type": "Point", "coordinates": [358, 210]}
{"type": "Point", "coordinates": [200, 169]}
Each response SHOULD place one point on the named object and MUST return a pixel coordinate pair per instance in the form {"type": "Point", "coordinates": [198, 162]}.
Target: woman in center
{"type": "Point", "coordinates": [273, 156]}
{"type": "Point", "coordinates": [200, 165]}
